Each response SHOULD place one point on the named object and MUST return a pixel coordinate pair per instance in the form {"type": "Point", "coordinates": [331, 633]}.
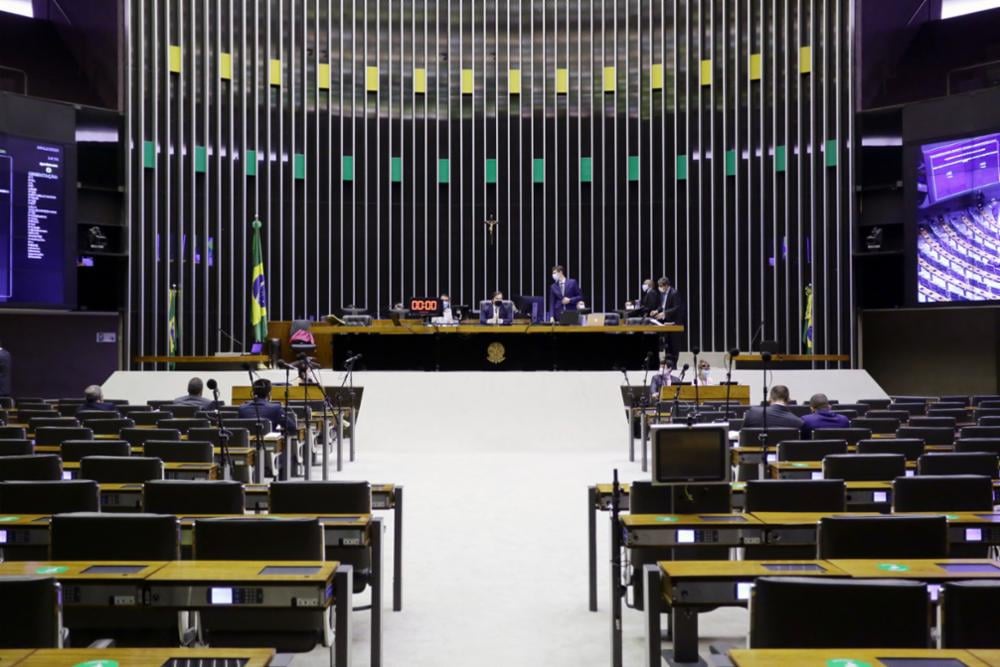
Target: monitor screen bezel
{"type": "Point", "coordinates": [725, 473]}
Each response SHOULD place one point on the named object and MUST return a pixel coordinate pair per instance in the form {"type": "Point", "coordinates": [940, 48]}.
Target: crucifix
{"type": "Point", "coordinates": [491, 223]}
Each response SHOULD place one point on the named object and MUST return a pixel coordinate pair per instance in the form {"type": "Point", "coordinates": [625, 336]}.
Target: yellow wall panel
{"type": "Point", "coordinates": [371, 79]}
{"type": "Point", "coordinates": [756, 66]}
{"type": "Point", "coordinates": [468, 82]}
{"type": "Point", "coordinates": [656, 77]}
{"type": "Point", "coordinates": [274, 73]}
{"type": "Point", "coordinates": [805, 59]}
{"type": "Point", "coordinates": [609, 79]}
{"type": "Point", "coordinates": [225, 65]}
{"type": "Point", "coordinates": [323, 76]}
{"type": "Point", "coordinates": [420, 80]}
{"type": "Point", "coordinates": [174, 59]}
{"type": "Point", "coordinates": [562, 80]}
{"type": "Point", "coordinates": [514, 81]}
{"type": "Point", "coordinates": [706, 72]}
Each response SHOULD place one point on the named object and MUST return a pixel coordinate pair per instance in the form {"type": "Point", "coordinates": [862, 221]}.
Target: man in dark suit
{"type": "Point", "coordinates": [822, 416]}
{"type": "Point", "coordinates": [194, 397]}
{"type": "Point", "coordinates": [778, 413]}
{"type": "Point", "coordinates": [668, 303]}
{"type": "Point", "coordinates": [564, 294]}
{"type": "Point", "coordinates": [269, 410]}
{"type": "Point", "coordinates": [94, 400]}
{"type": "Point", "coordinates": [650, 300]}
{"type": "Point", "coordinates": [495, 311]}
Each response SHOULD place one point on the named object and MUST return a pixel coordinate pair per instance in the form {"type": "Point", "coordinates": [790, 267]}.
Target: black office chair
{"type": "Point", "coordinates": [860, 408]}
{"type": "Point", "coordinates": [988, 421]}
{"type": "Point", "coordinates": [138, 537]}
{"type": "Point", "coordinates": [12, 433]}
{"type": "Point", "coordinates": [249, 424]}
{"type": "Point", "coordinates": [885, 536]}
{"type": "Point", "coordinates": [318, 497]}
{"type": "Point", "coordinates": [912, 407]}
{"type": "Point", "coordinates": [138, 436]}
{"type": "Point", "coordinates": [67, 410]}
{"type": "Point", "coordinates": [179, 496]}
{"type": "Point", "coordinates": [155, 403]}
{"type": "Point", "coordinates": [939, 422]}
{"type": "Point", "coordinates": [174, 451]}
{"type": "Point", "coordinates": [796, 495]}
{"type": "Point", "coordinates": [129, 410]}
{"type": "Point", "coordinates": [238, 437]}
{"type": "Point", "coordinates": [150, 418]}
{"type": "Point", "coordinates": [970, 614]}
{"type": "Point", "coordinates": [841, 613]}
{"type": "Point", "coordinates": [911, 448]}
{"type": "Point", "coordinates": [864, 467]}
{"type": "Point", "coordinates": [31, 613]}
{"type": "Point", "coordinates": [16, 447]}
{"type": "Point", "coordinates": [850, 414]}
{"type": "Point", "coordinates": [83, 415]}
{"type": "Point", "coordinates": [181, 411]}
{"type": "Point", "coordinates": [851, 435]}
{"type": "Point", "coordinates": [183, 425]}
{"type": "Point", "coordinates": [961, 415]}
{"type": "Point", "coordinates": [979, 432]}
{"type": "Point", "coordinates": [296, 326]}
{"type": "Point", "coordinates": [35, 467]}
{"type": "Point", "coordinates": [50, 497]}
{"type": "Point", "coordinates": [799, 410]}
{"type": "Point", "coordinates": [36, 423]}
{"type": "Point", "coordinates": [120, 469]}
{"type": "Point", "coordinates": [750, 437]}
{"type": "Point", "coordinates": [942, 493]}
{"type": "Point", "coordinates": [25, 415]}
{"type": "Point", "coordinates": [108, 426]}
{"type": "Point", "coordinates": [56, 435]}
{"type": "Point", "coordinates": [948, 405]}
{"type": "Point", "coordinates": [980, 413]}
{"type": "Point", "coordinates": [979, 399]}
{"type": "Point", "coordinates": [876, 424]}
{"type": "Point", "coordinates": [74, 450]}
{"type": "Point", "coordinates": [931, 435]}
{"type": "Point", "coordinates": [898, 415]}
{"type": "Point", "coordinates": [955, 463]}
{"type": "Point", "coordinates": [293, 630]}
{"type": "Point", "coordinates": [875, 403]}
{"type": "Point", "coordinates": [809, 450]}
{"type": "Point", "coordinates": [975, 445]}
{"type": "Point", "coordinates": [959, 399]}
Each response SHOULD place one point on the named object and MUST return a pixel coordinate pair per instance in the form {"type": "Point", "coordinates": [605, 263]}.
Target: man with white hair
{"type": "Point", "coordinates": [94, 400]}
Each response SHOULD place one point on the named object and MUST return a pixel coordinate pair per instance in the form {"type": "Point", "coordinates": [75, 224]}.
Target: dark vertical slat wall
{"type": "Point", "coordinates": [705, 140]}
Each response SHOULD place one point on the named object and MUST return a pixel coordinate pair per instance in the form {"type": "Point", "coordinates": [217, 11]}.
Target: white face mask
{"type": "Point", "coordinates": [645, 288]}
{"type": "Point", "coordinates": [445, 305]}
{"type": "Point", "coordinates": [555, 276]}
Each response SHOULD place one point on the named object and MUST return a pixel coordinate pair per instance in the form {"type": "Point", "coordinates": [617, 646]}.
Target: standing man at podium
{"type": "Point", "coordinates": [564, 294]}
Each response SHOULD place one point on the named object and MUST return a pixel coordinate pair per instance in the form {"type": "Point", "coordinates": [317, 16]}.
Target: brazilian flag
{"type": "Point", "coordinates": [173, 336]}
{"type": "Point", "coordinates": [258, 288]}
{"type": "Point", "coordinates": [807, 316]}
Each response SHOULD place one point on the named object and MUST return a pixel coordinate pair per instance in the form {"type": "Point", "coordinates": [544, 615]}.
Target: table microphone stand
{"type": "Point", "coordinates": [289, 459]}
{"type": "Point", "coordinates": [326, 425]}
{"type": "Point", "coordinates": [765, 357]}
{"type": "Point", "coordinates": [258, 436]}
{"type": "Point", "coordinates": [226, 460]}
{"type": "Point", "coordinates": [697, 371]}
{"type": "Point", "coordinates": [675, 411]}
{"type": "Point", "coordinates": [729, 378]}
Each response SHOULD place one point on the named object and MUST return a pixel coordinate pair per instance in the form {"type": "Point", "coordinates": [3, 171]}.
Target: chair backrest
{"type": "Point", "coordinates": [842, 613]}
{"type": "Point", "coordinates": [56, 435]}
{"type": "Point", "coordinates": [50, 497]}
{"type": "Point", "coordinates": [180, 451]}
{"type": "Point", "coordinates": [258, 539]}
{"type": "Point", "coordinates": [127, 536]}
{"type": "Point", "coordinates": [181, 411]}
{"type": "Point", "coordinates": [796, 495]}
{"type": "Point", "coordinates": [979, 399]}
{"type": "Point", "coordinates": [150, 418]}
{"type": "Point", "coordinates": [36, 423]}
{"type": "Point", "coordinates": [182, 424]}
{"type": "Point", "coordinates": [648, 498]}
{"type": "Point", "coordinates": [948, 405]}
{"type": "Point", "coordinates": [850, 414]}
{"type": "Point", "coordinates": [74, 450]}
{"type": "Point", "coordinates": [249, 424]}
{"type": "Point", "coordinates": [876, 424]}
{"type": "Point", "coordinates": [16, 447]}
{"type": "Point", "coordinates": [970, 614]}
{"type": "Point", "coordinates": [979, 413]}
{"type": "Point", "coordinates": [83, 415]}
{"type": "Point", "coordinates": [180, 496]}
{"type": "Point", "coordinates": [108, 426]}
{"type": "Point", "coordinates": [852, 435]}
{"type": "Point", "coordinates": [961, 415]}
{"type": "Point", "coordinates": [799, 410]}
{"type": "Point", "coordinates": [860, 408]}
{"type": "Point", "coordinates": [155, 403]}
{"type": "Point", "coordinates": [931, 435]}
{"type": "Point", "coordinates": [120, 469]}
{"type": "Point", "coordinates": [979, 432]}
{"type": "Point", "coordinates": [988, 420]}
{"type": "Point", "coordinates": [960, 399]}
{"type": "Point", "coordinates": [940, 422]}
{"type": "Point", "coordinates": [12, 433]}
{"type": "Point", "coordinates": [809, 450]}
{"type": "Point", "coordinates": [238, 437]}
{"type": "Point", "coordinates": [875, 403]}
{"type": "Point", "coordinates": [34, 467]}
{"type": "Point", "coordinates": [864, 467]}
{"type": "Point", "coordinates": [314, 497]}
{"type": "Point", "coordinates": [25, 415]}
{"type": "Point", "coordinates": [750, 437]}
{"type": "Point", "coordinates": [959, 463]}
{"type": "Point", "coordinates": [942, 493]}
{"type": "Point", "coordinates": [128, 410]}
{"type": "Point", "coordinates": [846, 536]}
{"type": "Point", "coordinates": [898, 415]}
{"type": "Point", "coordinates": [913, 408]}
{"type": "Point", "coordinates": [31, 613]}
{"type": "Point", "coordinates": [975, 445]}
{"type": "Point", "coordinates": [911, 448]}
{"type": "Point", "coordinates": [139, 436]}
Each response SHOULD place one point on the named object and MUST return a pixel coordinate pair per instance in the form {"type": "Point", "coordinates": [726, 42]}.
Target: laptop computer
{"type": "Point", "coordinates": [569, 317]}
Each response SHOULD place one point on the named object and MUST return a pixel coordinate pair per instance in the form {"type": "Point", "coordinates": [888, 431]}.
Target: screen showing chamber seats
{"type": "Point", "coordinates": [33, 186]}
{"type": "Point", "coordinates": [958, 220]}
{"type": "Point", "coordinates": [698, 453]}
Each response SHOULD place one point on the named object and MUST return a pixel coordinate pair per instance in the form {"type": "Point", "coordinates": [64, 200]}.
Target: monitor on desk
{"type": "Point", "coordinates": [684, 454]}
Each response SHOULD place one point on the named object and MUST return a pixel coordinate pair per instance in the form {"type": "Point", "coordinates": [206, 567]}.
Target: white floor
{"type": "Point", "coordinates": [496, 468]}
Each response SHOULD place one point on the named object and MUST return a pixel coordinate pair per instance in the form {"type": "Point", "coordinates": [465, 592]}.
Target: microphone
{"type": "Point", "coordinates": [684, 370]}
{"type": "Point", "coordinates": [765, 356]}
{"type": "Point", "coordinates": [285, 365]}
{"type": "Point", "coordinates": [212, 384]}
{"type": "Point", "coordinates": [231, 337]}
{"type": "Point", "coordinates": [350, 361]}
{"type": "Point", "coordinates": [760, 329]}
{"type": "Point", "coordinates": [734, 352]}
{"type": "Point", "coordinates": [696, 351]}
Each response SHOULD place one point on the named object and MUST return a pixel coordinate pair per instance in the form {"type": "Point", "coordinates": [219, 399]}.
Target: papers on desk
{"type": "Point", "coordinates": [273, 436]}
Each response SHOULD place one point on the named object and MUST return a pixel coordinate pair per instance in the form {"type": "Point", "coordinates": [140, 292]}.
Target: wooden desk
{"type": "Point", "coordinates": [790, 361]}
{"type": "Point", "coordinates": [11, 657]}
{"type": "Point", "coordinates": [91, 584]}
{"type": "Point", "coordinates": [929, 569]}
{"type": "Point", "coordinates": [170, 470]}
{"type": "Point", "coordinates": [859, 656]}
{"type": "Point", "coordinates": [739, 394]}
{"type": "Point", "coordinates": [689, 530]}
{"type": "Point", "coordinates": [990, 657]}
{"type": "Point", "coordinates": [145, 657]}
{"type": "Point", "coordinates": [810, 469]}
{"type": "Point", "coordinates": [208, 361]}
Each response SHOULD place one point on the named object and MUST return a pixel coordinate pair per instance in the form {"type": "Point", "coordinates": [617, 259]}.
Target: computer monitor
{"type": "Point", "coordinates": [683, 454]}
{"type": "Point", "coordinates": [425, 306]}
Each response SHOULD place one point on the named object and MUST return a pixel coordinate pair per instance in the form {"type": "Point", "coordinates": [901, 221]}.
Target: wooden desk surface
{"type": "Point", "coordinates": [23, 520]}
{"type": "Point", "coordinates": [812, 466]}
{"type": "Point", "coordinates": [211, 468]}
{"type": "Point", "coordinates": [666, 520]}
{"type": "Point", "coordinates": [608, 489]}
{"type": "Point", "coordinates": [78, 569]}
{"type": "Point", "coordinates": [804, 518]}
{"type": "Point", "coordinates": [841, 657]}
{"type": "Point", "coordinates": [386, 328]}
{"type": "Point", "coordinates": [961, 517]}
{"type": "Point", "coordinates": [778, 358]}
{"type": "Point", "coordinates": [240, 570]}
{"type": "Point", "coordinates": [356, 520]}
{"type": "Point", "coordinates": [988, 656]}
{"type": "Point", "coordinates": [923, 569]}
{"type": "Point", "coordinates": [10, 657]}
{"type": "Point", "coordinates": [231, 360]}
{"type": "Point", "coordinates": [143, 657]}
{"type": "Point", "coordinates": [702, 569]}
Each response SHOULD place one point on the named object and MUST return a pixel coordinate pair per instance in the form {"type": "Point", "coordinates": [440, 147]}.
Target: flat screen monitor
{"type": "Point", "coordinates": [685, 454]}
{"type": "Point", "coordinates": [957, 197]}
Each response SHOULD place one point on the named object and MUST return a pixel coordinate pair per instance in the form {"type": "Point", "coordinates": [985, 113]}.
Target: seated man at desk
{"type": "Point", "coordinates": [778, 413]}
{"type": "Point", "coordinates": [266, 408]}
{"type": "Point", "coordinates": [93, 399]}
{"type": "Point", "coordinates": [662, 379]}
{"type": "Point", "coordinates": [495, 311]}
{"type": "Point", "coordinates": [822, 416]}
{"type": "Point", "coordinates": [447, 315]}
{"type": "Point", "coordinates": [194, 397]}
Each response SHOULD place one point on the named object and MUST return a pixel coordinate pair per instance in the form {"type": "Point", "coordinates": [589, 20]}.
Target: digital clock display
{"type": "Point", "coordinates": [424, 305]}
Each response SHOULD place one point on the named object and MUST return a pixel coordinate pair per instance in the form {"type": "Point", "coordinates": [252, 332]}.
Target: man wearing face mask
{"type": "Point", "coordinates": [704, 372]}
{"type": "Point", "coordinates": [564, 294]}
{"type": "Point", "coordinates": [662, 379]}
{"type": "Point", "coordinates": [495, 311]}
{"type": "Point", "coordinates": [447, 315]}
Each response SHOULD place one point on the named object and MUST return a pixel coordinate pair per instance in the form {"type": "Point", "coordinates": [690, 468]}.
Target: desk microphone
{"type": "Point", "coordinates": [350, 361]}
{"type": "Point", "coordinates": [285, 365]}
{"type": "Point", "coordinates": [212, 384]}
